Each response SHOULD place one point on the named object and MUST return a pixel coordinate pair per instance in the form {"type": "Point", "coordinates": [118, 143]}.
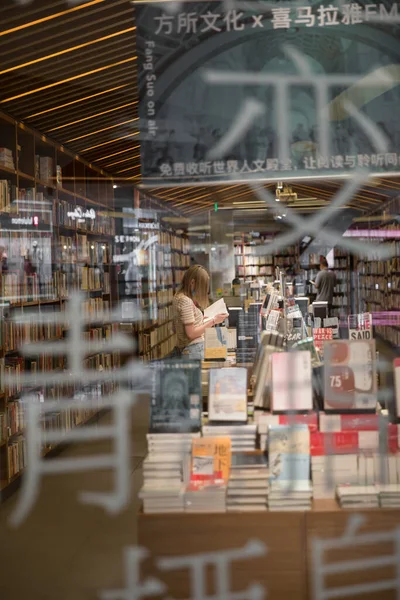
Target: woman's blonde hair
{"type": "Point", "coordinates": [201, 279]}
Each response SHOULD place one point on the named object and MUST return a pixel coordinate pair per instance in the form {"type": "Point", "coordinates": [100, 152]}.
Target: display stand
{"type": "Point", "coordinates": [287, 571]}
{"type": "Point", "coordinates": [282, 571]}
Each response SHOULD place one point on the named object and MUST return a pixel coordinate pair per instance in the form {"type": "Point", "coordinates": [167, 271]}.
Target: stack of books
{"type": "Point", "coordinates": [163, 497]}
{"type": "Point", "coordinates": [327, 472]}
{"type": "Point", "coordinates": [164, 482]}
{"type": "Point", "coordinates": [207, 496]}
{"type": "Point", "coordinates": [265, 420]}
{"type": "Point", "coordinates": [170, 443]}
{"type": "Point", "coordinates": [358, 496]}
{"type": "Point", "coordinates": [7, 158]}
{"type": "Point", "coordinates": [290, 495]}
{"type": "Point", "coordinates": [243, 437]}
{"type": "Point", "coordinates": [389, 495]}
{"type": "Point", "coordinates": [247, 490]}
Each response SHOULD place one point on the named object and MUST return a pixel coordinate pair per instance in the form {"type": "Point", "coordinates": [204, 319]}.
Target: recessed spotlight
{"type": "Point", "coordinates": [277, 200]}
{"type": "Point", "coordinates": [115, 186]}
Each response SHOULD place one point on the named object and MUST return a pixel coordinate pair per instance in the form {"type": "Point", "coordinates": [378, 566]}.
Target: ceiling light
{"type": "Point", "coordinates": [115, 186]}
{"type": "Point", "coordinates": [277, 200]}
{"type": "Point", "coordinates": [278, 216]}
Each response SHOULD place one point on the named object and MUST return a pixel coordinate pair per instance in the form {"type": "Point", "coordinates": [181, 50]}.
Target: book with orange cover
{"type": "Point", "coordinates": [211, 458]}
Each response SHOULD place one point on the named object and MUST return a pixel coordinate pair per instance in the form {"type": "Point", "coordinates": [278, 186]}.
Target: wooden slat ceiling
{"type": "Point", "coordinates": [70, 71]}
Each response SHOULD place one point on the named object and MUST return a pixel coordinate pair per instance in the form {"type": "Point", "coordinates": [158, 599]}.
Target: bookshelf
{"type": "Point", "coordinates": [342, 295]}
{"type": "Point", "coordinates": [156, 337]}
{"type": "Point", "coordinates": [58, 237]}
{"type": "Point", "coordinates": [377, 280]}
{"type": "Point", "coordinates": [251, 261]}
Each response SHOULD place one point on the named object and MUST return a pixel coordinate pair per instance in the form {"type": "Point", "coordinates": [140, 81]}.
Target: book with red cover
{"type": "Point", "coordinates": [347, 442]}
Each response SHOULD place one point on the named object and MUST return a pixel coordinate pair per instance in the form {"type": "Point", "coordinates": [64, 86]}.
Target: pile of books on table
{"type": "Point", "coordinates": [170, 443]}
{"type": "Point", "coordinates": [389, 495]}
{"type": "Point", "coordinates": [207, 496]}
{"type": "Point", "coordinates": [327, 472]}
{"type": "Point", "coordinates": [243, 437]}
{"type": "Point", "coordinates": [289, 465]}
{"type": "Point", "coordinates": [163, 497]}
{"type": "Point", "coordinates": [358, 496]}
{"type": "Point", "coordinates": [248, 484]}
{"type": "Point", "coordinates": [163, 485]}
{"type": "Point", "coordinates": [290, 495]}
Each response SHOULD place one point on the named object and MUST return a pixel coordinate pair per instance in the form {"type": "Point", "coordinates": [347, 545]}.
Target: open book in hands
{"type": "Point", "coordinates": [215, 310]}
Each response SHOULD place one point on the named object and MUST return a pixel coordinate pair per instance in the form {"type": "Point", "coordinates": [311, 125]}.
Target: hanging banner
{"type": "Point", "coordinates": [291, 91]}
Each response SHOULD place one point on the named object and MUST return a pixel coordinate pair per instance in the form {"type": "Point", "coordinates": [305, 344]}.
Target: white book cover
{"type": "Point", "coordinates": [232, 430]}
{"type": "Point", "coordinates": [227, 395]}
{"type": "Point", "coordinates": [217, 308]}
{"type": "Point", "coordinates": [162, 437]}
{"type": "Point", "coordinates": [291, 381]}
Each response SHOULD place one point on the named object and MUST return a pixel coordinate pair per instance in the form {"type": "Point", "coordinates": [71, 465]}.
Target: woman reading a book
{"type": "Point", "coordinates": [188, 305]}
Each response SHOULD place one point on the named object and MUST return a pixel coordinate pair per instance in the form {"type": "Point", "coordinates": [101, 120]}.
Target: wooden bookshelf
{"type": "Point", "coordinates": [251, 261]}
{"type": "Point", "coordinates": [377, 280]}
{"type": "Point", "coordinates": [58, 237]}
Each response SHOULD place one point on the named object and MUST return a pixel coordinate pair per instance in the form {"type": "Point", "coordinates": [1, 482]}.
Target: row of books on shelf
{"type": "Point", "coordinates": [165, 296]}
{"type": "Point", "coordinates": [96, 308]}
{"type": "Point", "coordinates": [65, 420]}
{"type": "Point", "coordinates": [341, 301]}
{"type": "Point", "coordinates": [254, 260]}
{"type": "Point", "coordinates": [16, 456]}
{"type": "Point", "coordinates": [11, 367]}
{"type": "Point", "coordinates": [165, 313]}
{"type": "Point", "coordinates": [161, 350]}
{"type": "Point", "coordinates": [169, 277]}
{"type": "Point", "coordinates": [15, 418]}
{"type": "Point", "coordinates": [148, 340]}
{"type": "Point", "coordinates": [100, 333]}
{"type": "Point", "coordinates": [93, 279]}
{"type": "Point", "coordinates": [381, 267]}
{"type": "Point", "coordinates": [175, 242]}
{"type": "Point", "coordinates": [256, 250]}
{"type": "Point", "coordinates": [7, 158]}
{"type": "Point", "coordinates": [247, 271]}
{"type": "Point", "coordinates": [84, 218]}
{"type": "Point", "coordinates": [389, 333]}
{"type": "Point", "coordinates": [341, 263]}
{"type": "Point", "coordinates": [16, 334]}
{"type": "Point", "coordinates": [18, 287]}
{"type": "Point", "coordinates": [96, 253]}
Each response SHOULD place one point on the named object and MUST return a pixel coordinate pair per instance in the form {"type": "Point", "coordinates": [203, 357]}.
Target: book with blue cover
{"type": "Point", "coordinates": [289, 453]}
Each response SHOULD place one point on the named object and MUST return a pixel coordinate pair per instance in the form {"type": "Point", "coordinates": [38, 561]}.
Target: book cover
{"type": "Point", "coordinates": [227, 395]}
{"type": "Point", "coordinates": [350, 375]}
{"type": "Point", "coordinates": [291, 381]}
{"type": "Point", "coordinates": [176, 397]}
{"type": "Point", "coordinates": [265, 420]}
{"type": "Point", "coordinates": [211, 458]}
{"type": "Point", "coordinates": [289, 452]}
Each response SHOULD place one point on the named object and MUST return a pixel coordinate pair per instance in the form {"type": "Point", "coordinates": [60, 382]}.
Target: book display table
{"type": "Point", "coordinates": [288, 569]}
